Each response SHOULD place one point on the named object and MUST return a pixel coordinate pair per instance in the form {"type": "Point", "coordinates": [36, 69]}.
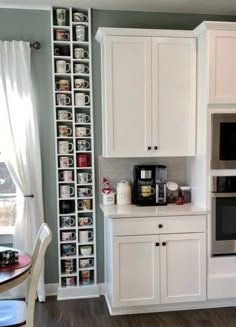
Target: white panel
{"type": "Point", "coordinates": [173, 95]}
{"type": "Point", "coordinates": [183, 268]}
{"type": "Point", "coordinates": [128, 96]}
{"type": "Point", "coordinates": [136, 270]}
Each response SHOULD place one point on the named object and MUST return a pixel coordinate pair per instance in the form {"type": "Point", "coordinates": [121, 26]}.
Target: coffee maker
{"type": "Point", "coordinates": [149, 185]}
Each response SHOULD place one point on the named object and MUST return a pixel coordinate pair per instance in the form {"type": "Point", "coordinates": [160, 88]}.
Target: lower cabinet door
{"type": "Point", "coordinates": [183, 267]}
{"type": "Point", "coordinates": [136, 269]}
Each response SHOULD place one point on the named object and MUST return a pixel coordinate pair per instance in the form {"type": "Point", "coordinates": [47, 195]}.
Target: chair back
{"type": "Point", "coordinates": [43, 239]}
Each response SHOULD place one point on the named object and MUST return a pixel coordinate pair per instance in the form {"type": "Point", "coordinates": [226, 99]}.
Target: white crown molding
{"type": "Point", "coordinates": [24, 6]}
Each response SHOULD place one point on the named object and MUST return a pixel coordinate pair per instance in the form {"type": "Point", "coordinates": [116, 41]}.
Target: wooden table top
{"type": "Point", "coordinates": [12, 278]}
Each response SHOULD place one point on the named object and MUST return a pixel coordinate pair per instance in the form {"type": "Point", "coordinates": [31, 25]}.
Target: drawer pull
{"type": "Point", "coordinates": [164, 243]}
{"type": "Point", "coordinates": [157, 244]}
{"type": "Point", "coordinates": [160, 226]}
{"type": "Point", "coordinates": [155, 147]}
{"type": "Point", "coordinates": [149, 148]}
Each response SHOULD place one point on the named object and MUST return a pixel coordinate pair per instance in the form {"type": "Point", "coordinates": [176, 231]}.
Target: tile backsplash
{"type": "Point", "coordinates": [117, 169]}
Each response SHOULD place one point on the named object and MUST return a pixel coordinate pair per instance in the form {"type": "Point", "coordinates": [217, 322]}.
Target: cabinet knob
{"type": "Point", "coordinates": [149, 148]}
{"type": "Point", "coordinates": [160, 226]}
{"type": "Point", "coordinates": [155, 147]}
{"type": "Point", "coordinates": [164, 243]}
{"type": "Point", "coordinates": [157, 244]}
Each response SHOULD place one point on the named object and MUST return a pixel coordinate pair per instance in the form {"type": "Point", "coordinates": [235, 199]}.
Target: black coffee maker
{"type": "Point", "coordinates": [149, 185]}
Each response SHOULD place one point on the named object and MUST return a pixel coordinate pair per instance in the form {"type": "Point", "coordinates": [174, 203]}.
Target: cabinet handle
{"type": "Point", "coordinates": [157, 244]}
{"type": "Point", "coordinates": [149, 148]}
{"type": "Point", "coordinates": [155, 147]}
{"type": "Point", "coordinates": [164, 243]}
{"type": "Point", "coordinates": [160, 226]}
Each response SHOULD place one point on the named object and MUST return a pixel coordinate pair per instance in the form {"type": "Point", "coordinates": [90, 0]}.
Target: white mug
{"type": "Point", "coordinates": [84, 192]}
{"type": "Point", "coordinates": [65, 162]}
{"type": "Point", "coordinates": [83, 263]}
{"type": "Point", "coordinates": [64, 131]}
{"type": "Point", "coordinates": [81, 83]}
{"type": "Point", "coordinates": [67, 236]}
{"type": "Point", "coordinates": [61, 16]}
{"type": "Point", "coordinates": [83, 145]}
{"type": "Point", "coordinates": [65, 147]}
{"type": "Point", "coordinates": [82, 131]}
{"type": "Point", "coordinates": [81, 99]}
{"type": "Point", "coordinates": [80, 32]}
{"type": "Point", "coordinates": [82, 118]}
{"type": "Point", "coordinates": [63, 100]}
{"type": "Point", "coordinates": [62, 66]}
{"type": "Point", "coordinates": [79, 17]}
{"type": "Point", "coordinates": [84, 178]}
{"type": "Point", "coordinates": [81, 69]}
{"type": "Point", "coordinates": [80, 53]}
{"type": "Point", "coordinates": [67, 221]}
{"type": "Point", "coordinates": [83, 221]}
{"type": "Point", "coordinates": [66, 191]}
{"type": "Point", "coordinates": [66, 176]}
{"type": "Point", "coordinates": [64, 115]}
{"type": "Point", "coordinates": [85, 236]}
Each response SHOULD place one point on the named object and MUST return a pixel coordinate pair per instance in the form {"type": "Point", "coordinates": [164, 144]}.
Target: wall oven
{"type": "Point", "coordinates": [223, 153]}
{"type": "Point", "coordinates": [224, 216]}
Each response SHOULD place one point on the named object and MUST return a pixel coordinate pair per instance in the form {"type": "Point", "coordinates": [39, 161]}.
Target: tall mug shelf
{"type": "Point", "coordinates": [73, 112]}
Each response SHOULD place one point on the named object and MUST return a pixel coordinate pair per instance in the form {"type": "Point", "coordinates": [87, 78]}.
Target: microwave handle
{"type": "Point", "coordinates": [223, 195]}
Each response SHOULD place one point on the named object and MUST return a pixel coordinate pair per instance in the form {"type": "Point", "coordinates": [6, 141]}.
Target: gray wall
{"type": "Point", "coordinates": [30, 25]}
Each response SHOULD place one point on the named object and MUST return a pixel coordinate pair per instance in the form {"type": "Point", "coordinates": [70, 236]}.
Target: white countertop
{"type": "Point", "coordinates": [129, 211]}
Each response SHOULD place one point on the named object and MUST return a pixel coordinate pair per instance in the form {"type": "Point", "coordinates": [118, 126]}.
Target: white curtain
{"type": "Point", "coordinates": [20, 142]}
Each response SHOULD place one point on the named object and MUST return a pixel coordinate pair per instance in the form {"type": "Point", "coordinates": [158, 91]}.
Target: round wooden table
{"type": "Point", "coordinates": [12, 278]}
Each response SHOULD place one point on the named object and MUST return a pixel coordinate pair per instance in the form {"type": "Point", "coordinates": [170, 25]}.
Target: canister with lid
{"type": "Point", "coordinates": [123, 191]}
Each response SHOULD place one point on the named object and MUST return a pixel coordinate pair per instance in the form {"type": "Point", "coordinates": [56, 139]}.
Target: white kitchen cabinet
{"type": "Point", "coordinates": [148, 93]}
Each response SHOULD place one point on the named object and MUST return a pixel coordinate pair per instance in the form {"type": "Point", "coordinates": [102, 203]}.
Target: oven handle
{"type": "Point", "coordinates": [223, 195]}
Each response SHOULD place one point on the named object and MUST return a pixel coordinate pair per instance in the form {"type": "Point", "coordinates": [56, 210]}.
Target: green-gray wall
{"type": "Point", "coordinates": [33, 25]}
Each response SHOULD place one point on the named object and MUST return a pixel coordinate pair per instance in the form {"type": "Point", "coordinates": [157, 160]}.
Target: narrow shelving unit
{"type": "Point", "coordinates": [73, 112]}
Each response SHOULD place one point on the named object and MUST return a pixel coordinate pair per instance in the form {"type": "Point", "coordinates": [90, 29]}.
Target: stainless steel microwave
{"type": "Point", "coordinates": [223, 142]}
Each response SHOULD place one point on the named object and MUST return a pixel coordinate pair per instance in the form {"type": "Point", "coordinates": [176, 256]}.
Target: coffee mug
{"type": "Point", "coordinates": [83, 145]}
{"type": "Point", "coordinates": [62, 67]}
{"type": "Point", "coordinates": [68, 249]}
{"type": "Point", "coordinates": [82, 131]}
{"type": "Point", "coordinates": [68, 269]}
{"type": "Point", "coordinates": [85, 277]}
{"type": "Point", "coordinates": [67, 221]}
{"type": "Point", "coordinates": [83, 160]}
{"type": "Point", "coordinates": [82, 118]}
{"type": "Point", "coordinates": [84, 192]}
{"type": "Point", "coordinates": [64, 115]}
{"type": "Point", "coordinates": [81, 99]}
{"type": "Point", "coordinates": [61, 16]}
{"type": "Point", "coordinates": [65, 147]}
{"type": "Point", "coordinates": [66, 207]}
{"type": "Point", "coordinates": [85, 236]}
{"type": "Point", "coordinates": [85, 204]}
{"type": "Point", "coordinates": [69, 281]}
{"type": "Point", "coordinates": [81, 83]}
{"type": "Point", "coordinates": [65, 162]}
{"type": "Point", "coordinates": [63, 100]}
{"type": "Point", "coordinates": [62, 51]}
{"type": "Point", "coordinates": [62, 35]}
{"type": "Point", "coordinates": [81, 69]}
{"type": "Point", "coordinates": [83, 221]}
{"type": "Point", "coordinates": [66, 176]}
{"type": "Point", "coordinates": [63, 85]}
{"type": "Point", "coordinates": [147, 190]}
{"type": "Point", "coordinates": [79, 17]}
{"type": "Point", "coordinates": [84, 178]}
{"type": "Point", "coordinates": [68, 236]}
{"type": "Point", "coordinates": [80, 53]}
{"type": "Point", "coordinates": [80, 32]}
{"type": "Point", "coordinates": [84, 263]}
{"type": "Point", "coordinates": [64, 131]}
{"type": "Point", "coordinates": [66, 191]}
{"type": "Point", "coordinates": [86, 250]}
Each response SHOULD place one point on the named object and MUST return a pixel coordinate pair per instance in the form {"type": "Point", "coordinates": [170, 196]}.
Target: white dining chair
{"type": "Point", "coordinates": [20, 313]}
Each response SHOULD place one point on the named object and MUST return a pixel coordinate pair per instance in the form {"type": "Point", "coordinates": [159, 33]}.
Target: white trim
{"type": "Point", "coordinates": [51, 289]}
{"type": "Point", "coordinates": [25, 7]}
{"type": "Point", "coordinates": [207, 25]}
{"type": "Point", "coordinates": [81, 292]}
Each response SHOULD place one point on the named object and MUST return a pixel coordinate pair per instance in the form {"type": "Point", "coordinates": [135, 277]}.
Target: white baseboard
{"type": "Point", "coordinates": [51, 289]}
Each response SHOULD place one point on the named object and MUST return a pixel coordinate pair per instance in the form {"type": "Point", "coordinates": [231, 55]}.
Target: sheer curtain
{"type": "Point", "coordinates": [20, 142]}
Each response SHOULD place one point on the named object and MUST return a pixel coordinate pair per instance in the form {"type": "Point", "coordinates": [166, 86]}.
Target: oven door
{"type": "Point", "coordinates": [223, 224]}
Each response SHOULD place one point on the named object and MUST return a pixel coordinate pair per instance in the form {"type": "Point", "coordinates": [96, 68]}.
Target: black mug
{"type": "Point", "coordinates": [65, 51]}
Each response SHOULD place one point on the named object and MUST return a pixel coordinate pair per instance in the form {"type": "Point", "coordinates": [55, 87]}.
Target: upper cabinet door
{"type": "Point", "coordinates": [126, 96]}
{"type": "Point", "coordinates": [174, 96]}
{"type": "Point", "coordinates": [222, 67]}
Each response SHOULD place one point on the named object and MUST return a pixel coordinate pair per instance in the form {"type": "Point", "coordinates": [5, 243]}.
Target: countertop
{"type": "Point", "coordinates": [129, 211]}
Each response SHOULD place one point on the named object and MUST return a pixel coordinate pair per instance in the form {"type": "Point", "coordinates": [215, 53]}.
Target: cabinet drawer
{"type": "Point", "coordinates": [158, 225]}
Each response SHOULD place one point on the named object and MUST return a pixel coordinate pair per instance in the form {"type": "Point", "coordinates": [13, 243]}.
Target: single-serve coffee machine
{"type": "Point", "coordinates": [149, 185]}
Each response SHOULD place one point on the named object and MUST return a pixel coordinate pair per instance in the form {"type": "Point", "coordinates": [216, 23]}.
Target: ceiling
{"type": "Point", "coordinates": [221, 7]}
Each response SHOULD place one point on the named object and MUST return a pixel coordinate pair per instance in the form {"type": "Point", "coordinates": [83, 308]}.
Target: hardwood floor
{"type": "Point", "coordinates": [94, 313]}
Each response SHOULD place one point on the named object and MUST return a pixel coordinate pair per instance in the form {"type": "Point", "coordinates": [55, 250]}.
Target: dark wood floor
{"type": "Point", "coordinates": [94, 313]}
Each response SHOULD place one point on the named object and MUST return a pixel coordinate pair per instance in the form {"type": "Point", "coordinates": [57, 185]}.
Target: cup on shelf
{"type": "Point", "coordinates": [66, 191]}
{"type": "Point", "coordinates": [66, 176]}
{"type": "Point", "coordinates": [68, 249]}
{"type": "Point", "coordinates": [66, 207]}
{"type": "Point", "coordinates": [80, 32]}
{"type": "Point", "coordinates": [63, 85]}
{"type": "Point", "coordinates": [64, 115]}
{"type": "Point", "coordinates": [65, 147]}
{"type": "Point", "coordinates": [80, 53]}
{"type": "Point", "coordinates": [62, 67]}
{"type": "Point", "coordinates": [83, 160]}
{"type": "Point", "coordinates": [84, 192]}
{"type": "Point", "coordinates": [68, 266]}
{"type": "Point", "coordinates": [64, 131]}
{"type": "Point", "coordinates": [85, 204]}
{"type": "Point", "coordinates": [61, 16]}
{"type": "Point", "coordinates": [84, 178]}
{"type": "Point", "coordinates": [83, 145]}
{"type": "Point", "coordinates": [86, 250]}
{"type": "Point", "coordinates": [63, 100]}
{"type": "Point", "coordinates": [84, 221]}
{"type": "Point", "coordinates": [81, 99]}
{"type": "Point", "coordinates": [81, 83]}
{"type": "Point", "coordinates": [82, 131]}
{"type": "Point", "coordinates": [82, 118]}
{"type": "Point", "coordinates": [67, 221]}
{"type": "Point", "coordinates": [65, 162]}
{"type": "Point", "coordinates": [79, 17]}
{"type": "Point", "coordinates": [69, 281]}
{"type": "Point", "coordinates": [85, 277]}
{"type": "Point", "coordinates": [62, 51]}
{"type": "Point", "coordinates": [85, 236]}
{"type": "Point", "coordinates": [62, 35]}
{"type": "Point", "coordinates": [84, 263]}
{"type": "Point", "coordinates": [81, 69]}
{"type": "Point", "coordinates": [68, 236]}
